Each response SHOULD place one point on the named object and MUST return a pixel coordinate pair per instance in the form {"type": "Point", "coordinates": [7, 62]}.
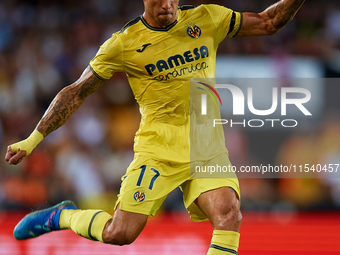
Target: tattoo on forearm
{"type": "Point", "coordinates": [91, 85]}
{"type": "Point", "coordinates": [66, 102]}
{"type": "Point", "coordinates": [283, 11]}
{"type": "Point", "coordinates": [64, 113]}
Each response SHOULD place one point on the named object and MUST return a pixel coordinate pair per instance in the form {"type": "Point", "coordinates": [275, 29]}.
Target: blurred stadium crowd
{"type": "Point", "coordinates": [45, 45]}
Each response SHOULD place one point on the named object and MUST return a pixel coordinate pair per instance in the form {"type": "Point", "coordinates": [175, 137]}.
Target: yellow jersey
{"type": "Point", "coordinates": [159, 63]}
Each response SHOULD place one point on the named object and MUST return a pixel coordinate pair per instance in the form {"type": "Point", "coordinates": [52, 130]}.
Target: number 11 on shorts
{"type": "Point", "coordinates": [141, 175]}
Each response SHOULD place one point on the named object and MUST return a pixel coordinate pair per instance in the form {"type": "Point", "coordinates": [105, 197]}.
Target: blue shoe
{"type": "Point", "coordinates": [42, 221]}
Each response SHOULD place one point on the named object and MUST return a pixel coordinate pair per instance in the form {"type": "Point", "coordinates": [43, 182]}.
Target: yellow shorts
{"type": "Point", "coordinates": [147, 183]}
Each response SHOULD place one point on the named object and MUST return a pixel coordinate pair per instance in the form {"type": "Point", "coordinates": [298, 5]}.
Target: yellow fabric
{"type": "Point", "coordinates": [194, 187]}
{"type": "Point", "coordinates": [86, 223]}
{"type": "Point", "coordinates": [159, 64]}
{"type": "Point", "coordinates": [28, 144]}
{"type": "Point", "coordinates": [224, 242]}
{"type": "Point", "coordinates": [206, 140]}
{"type": "Point", "coordinates": [136, 196]}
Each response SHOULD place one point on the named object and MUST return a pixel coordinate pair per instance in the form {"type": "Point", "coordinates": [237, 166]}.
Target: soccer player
{"type": "Point", "coordinates": [160, 52]}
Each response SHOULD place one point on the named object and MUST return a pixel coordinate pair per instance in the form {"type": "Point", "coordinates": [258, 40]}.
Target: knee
{"type": "Point", "coordinates": [124, 227]}
{"type": "Point", "coordinates": [118, 237]}
{"type": "Point", "coordinates": [230, 219]}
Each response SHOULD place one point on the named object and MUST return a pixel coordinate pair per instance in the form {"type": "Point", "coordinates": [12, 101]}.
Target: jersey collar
{"type": "Point", "coordinates": [164, 29]}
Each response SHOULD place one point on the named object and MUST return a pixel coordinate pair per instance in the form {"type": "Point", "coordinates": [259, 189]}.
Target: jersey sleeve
{"type": "Point", "coordinates": [108, 59]}
{"type": "Point", "coordinates": [227, 21]}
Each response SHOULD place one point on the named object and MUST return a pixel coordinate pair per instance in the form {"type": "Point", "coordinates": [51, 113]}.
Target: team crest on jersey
{"type": "Point", "coordinates": [194, 31]}
{"type": "Point", "coordinates": [139, 196]}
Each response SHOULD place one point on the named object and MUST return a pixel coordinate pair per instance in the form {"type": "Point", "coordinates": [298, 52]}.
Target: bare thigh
{"type": "Point", "coordinates": [222, 208]}
{"type": "Point", "coordinates": [124, 227]}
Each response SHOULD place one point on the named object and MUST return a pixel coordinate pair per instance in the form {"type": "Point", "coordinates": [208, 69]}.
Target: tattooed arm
{"type": "Point", "coordinates": [271, 20]}
{"type": "Point", "coordinates": [67, 101]}
{"type": "Point", "coordinates": [63, 105]}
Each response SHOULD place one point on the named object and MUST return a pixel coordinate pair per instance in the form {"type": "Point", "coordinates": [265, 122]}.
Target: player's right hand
{"type": "Point", "coordinates": [13, 157]}
{"type": "Point", "coordinates": [17, 151]}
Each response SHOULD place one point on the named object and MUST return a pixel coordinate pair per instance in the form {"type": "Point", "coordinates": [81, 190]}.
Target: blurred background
{"type": "Point", "coordinates": [45, 46]}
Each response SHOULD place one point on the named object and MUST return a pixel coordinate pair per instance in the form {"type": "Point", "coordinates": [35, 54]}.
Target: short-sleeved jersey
{"type": "Point", "coordinates": [159, 63]}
